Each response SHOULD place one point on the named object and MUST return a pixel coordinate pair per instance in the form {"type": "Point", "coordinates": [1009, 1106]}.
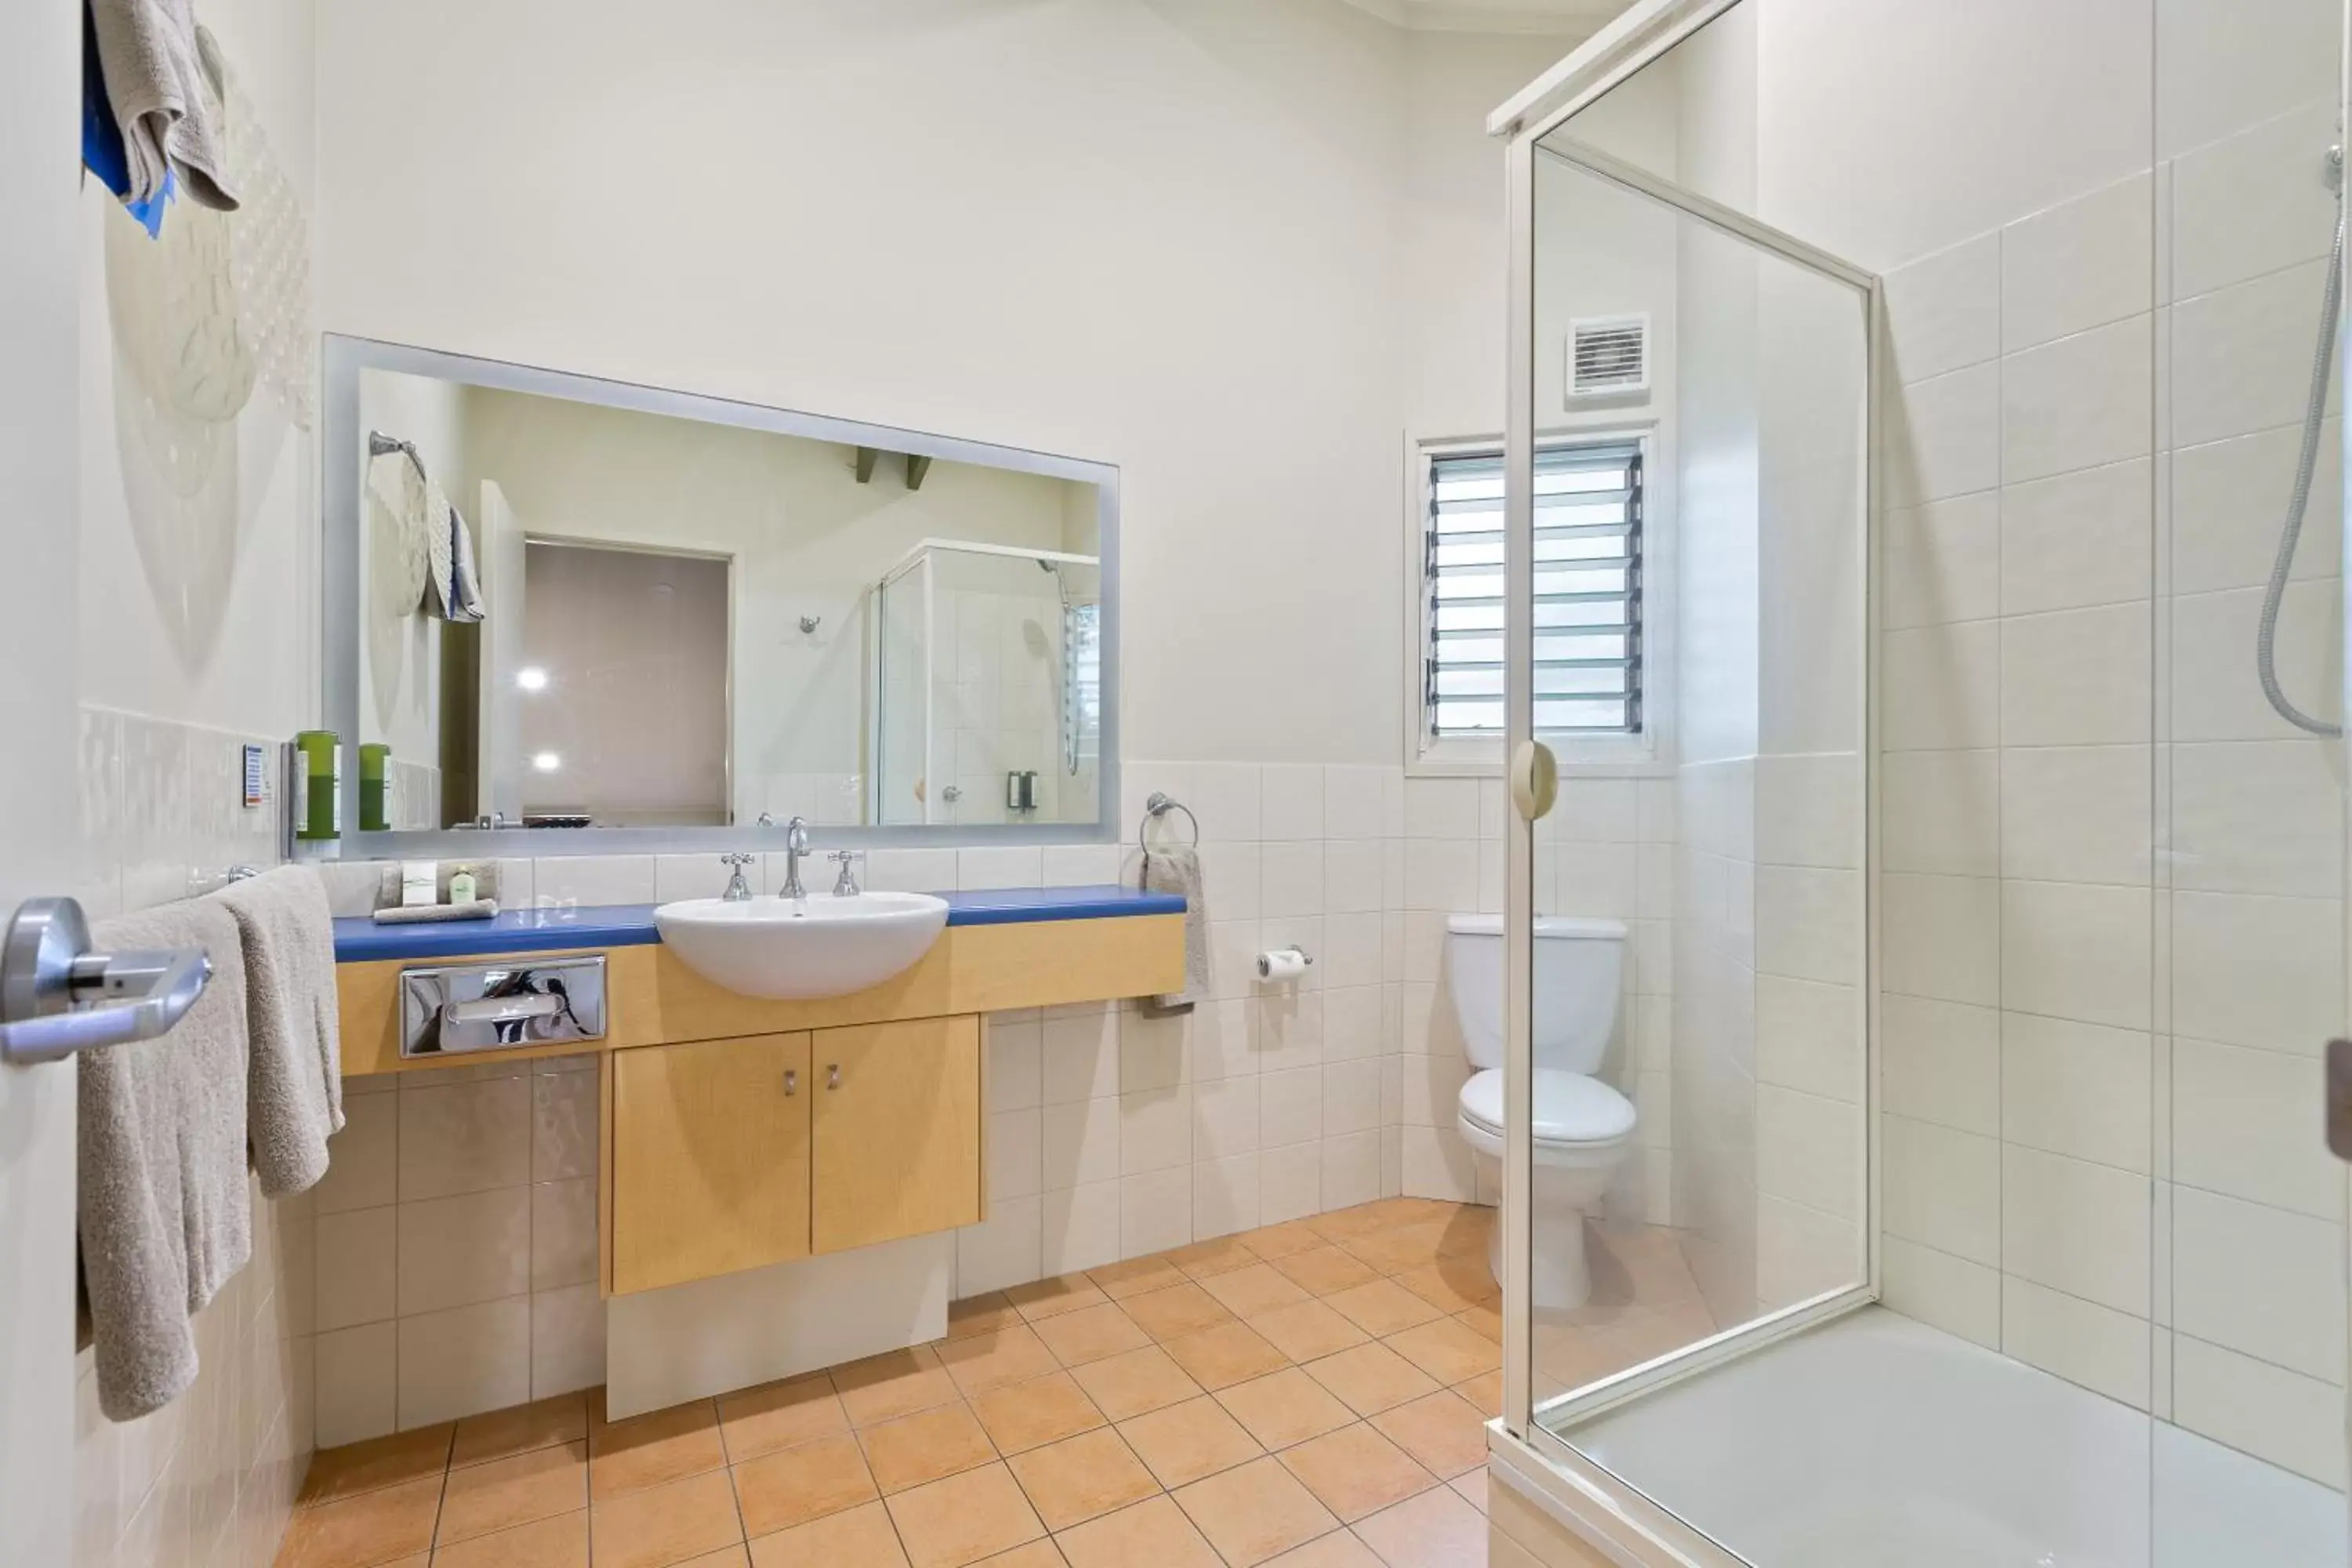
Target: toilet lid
{"type": "Point", "coordinates": [1570, 1107]}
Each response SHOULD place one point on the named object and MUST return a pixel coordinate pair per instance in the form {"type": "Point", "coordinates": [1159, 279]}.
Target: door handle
{"type": "Point", "coordinates": [502, 1009]}
{"type": "Point", "coordinates": [58, 997]}
{"type": "Point", "coordinates": [833, 1075]}
{"type": "Point", "coordinates": [792, 1082]}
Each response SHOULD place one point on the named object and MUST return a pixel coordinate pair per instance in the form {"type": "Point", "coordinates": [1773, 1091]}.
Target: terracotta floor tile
{"type": "Point", "coordinates": [376, 1464]}
{"type": "Point", "coordinates": [896, 1383]}
{"type": "Point", "coordinates": [725, 1557]}
{"type": "Point", "coordinates": [1247, 1292]}
{"type": "Point", "coordinates": [1485, 1394]}
{"type": "Point", "coordinates": [1466, 1232]}
{"type": "Point", "coordinates": [652, 1449]}
{"type": "Point", "coordinates": [1228, 1353]}
{"type": "Point", "coordinates": [1325, 1271]}
{"type": "Point", "coordinates": [359, 1531]}
{"type": "Point", "coordinates": [854, 1538]}
{"type": "Point", "coordinates": [1052, 1298]}
{"type": "Point", "coordinates": [1024, 1416]}
{"type": "Point", "coordinates": [792, 1485]}
{"type": "Point", "coordinates": [1398, 1249]}
{"type": "Point", "coordinates": [1443, 1431]}
{"type": "Point", "coordinates": [980, 1315]}
{"type": "Point", "coordinates": [1473, 1488]}
{"type": "Point", "coordinates": [1371, 1378]}
{"type": "Point", "coordinates": [1307, 1330]}
{"type": "Point", "coordinates": [964, 1517]}
{"type": "Point", "coordinates": [779, 1414]}
{"type": "Point", "coordinates": [1132, 1383]}
{"type": "Point", "coordinates": [1152, 1535]}
{"type": "Point", "coordinates": [1134, 1277]}
{"type": "Point", "coordinates": [1340, 1549]}
{"type": "Point", "coordinates": [541, 1483]}
{"type": "Point", "coordinates": [1381, 1308]}
{"type": "Point", "coordinates": [1486, 1323]}
{"type": "Point", "coordinates": [1280, 1240]}
{"type": "Point", "coordinates": [664, 1525]}
{"type": "Point", "coordinates": [1081, 1478]}
{"type": "Point", "coordinates": [502, 1434]}
{"type": "Point", "coordinates": [1446, 1351]}
{"type": "Point", "coordinates": [1355, 1471]}
{"type": "Point", "coordinates": [1185, 1442]}
{"type": "Point", "coordinates": [1284, 1407]}
{"type": "Point", "coordinates": [1340, 1223]}
{"type": "Point", "coordinates": [1090, 1334]}
{"type": "Point", "coordinates": [558, 1542]}
{"type": "Point", "coordinates": [990, 1360]}
{"type": "Point", "coordinates": [1037, 1555]}
{"type": "Point", "coordinates": [1256, 1512]}
{"type": "Point", "coordinates": [1175, 1309]}
{"type": "Point", "coordinates": [1434, 1530]}
{"type": "Point", "coordinates": [922, 1447]}
{"type": "Point", "coordinates": [1454, 1285]}
{"type": "Point", "coordinates": [1204, 1259]}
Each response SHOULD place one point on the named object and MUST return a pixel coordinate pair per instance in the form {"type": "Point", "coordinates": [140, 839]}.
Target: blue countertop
{"type": "Point", "coordinates": [632, 925]}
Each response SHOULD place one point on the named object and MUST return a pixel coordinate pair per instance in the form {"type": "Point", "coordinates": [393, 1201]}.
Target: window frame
{"type": "Point", "coordinates": [1648, 753]}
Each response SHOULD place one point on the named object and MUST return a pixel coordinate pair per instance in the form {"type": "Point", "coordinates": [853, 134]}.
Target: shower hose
{"type": "Point", "coordinates": [2265, 642]}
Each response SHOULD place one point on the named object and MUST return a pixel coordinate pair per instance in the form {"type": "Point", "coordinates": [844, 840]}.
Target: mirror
{"type": "Point", "coordinates": [583, 615]}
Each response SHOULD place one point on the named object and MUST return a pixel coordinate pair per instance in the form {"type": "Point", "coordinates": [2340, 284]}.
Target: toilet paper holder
{"type": "Point", "coordinates": [1284, 963]}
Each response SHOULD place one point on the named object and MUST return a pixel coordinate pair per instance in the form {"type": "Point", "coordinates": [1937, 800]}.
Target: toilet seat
{"type": "Point", "coordinates": [1571, 1110]}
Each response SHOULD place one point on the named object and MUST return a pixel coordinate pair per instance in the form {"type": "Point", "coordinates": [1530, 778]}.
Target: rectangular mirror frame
{"type": "Point", "coordinates": [348, 358]}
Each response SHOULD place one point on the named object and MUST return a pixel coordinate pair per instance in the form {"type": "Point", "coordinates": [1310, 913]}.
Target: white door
{"type": "Point", "coordinates": [502, 560]}
{"type": "Point", "coordinates": [40, 92]}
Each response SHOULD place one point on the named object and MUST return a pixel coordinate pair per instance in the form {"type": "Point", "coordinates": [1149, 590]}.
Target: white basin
{"type": "Point", "coordinates": [792, 949]}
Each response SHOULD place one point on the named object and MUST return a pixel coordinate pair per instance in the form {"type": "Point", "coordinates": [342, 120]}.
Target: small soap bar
{"type": "Point", "coordinates": [420, 883]}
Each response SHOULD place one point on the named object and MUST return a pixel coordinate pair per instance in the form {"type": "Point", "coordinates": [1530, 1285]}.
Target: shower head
{"type": "Point", "coordinates": [1049, 566]}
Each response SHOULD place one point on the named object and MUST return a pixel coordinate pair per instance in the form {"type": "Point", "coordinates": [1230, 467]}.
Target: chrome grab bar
{"type": "Point", "coordinates": [58, 997]}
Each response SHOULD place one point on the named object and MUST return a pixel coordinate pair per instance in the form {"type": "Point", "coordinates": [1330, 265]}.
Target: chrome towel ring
{"type": "Point", "coordinates": [1159, 804]}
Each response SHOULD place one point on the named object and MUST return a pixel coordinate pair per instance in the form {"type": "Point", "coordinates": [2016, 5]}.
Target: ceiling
{"type": "Point", "coordinates": [1569, 17]}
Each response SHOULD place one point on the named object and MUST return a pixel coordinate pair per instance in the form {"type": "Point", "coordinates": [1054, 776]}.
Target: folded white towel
{"type": "Point", "coordinates": [168, 110]}
{"type": "Point", "coordinates": [164, 1212]}
{"type": "Point", "coordinates": [295, 1093]}
{"type": "Point", "coordinates": [1176, 868]}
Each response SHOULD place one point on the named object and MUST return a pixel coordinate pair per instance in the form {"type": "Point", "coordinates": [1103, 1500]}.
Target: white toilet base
{"type": "Point", "coordinates": [1565, 1189]}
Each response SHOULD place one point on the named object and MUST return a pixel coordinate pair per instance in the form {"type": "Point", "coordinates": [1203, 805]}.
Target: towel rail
{"type": "Point", "coordinates": [382, 446]}
{"type": "Point", "coordinates": [58, 997]}
{"type": "Point", "coordinates": [1158, 805]}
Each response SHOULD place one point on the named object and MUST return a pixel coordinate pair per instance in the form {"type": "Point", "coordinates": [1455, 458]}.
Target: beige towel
{"type": "Point", "coordinates": [167, 106]}
{"type": "Point", "coordinates": [295, 1094]}
{"type": "Point", "coordinates": [164, 1211]}
{"type": "Point", "coordinates": [1175, 869]}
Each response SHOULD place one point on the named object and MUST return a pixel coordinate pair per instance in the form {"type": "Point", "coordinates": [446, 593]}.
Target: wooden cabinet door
{"type": "Point", "coordinates": [898, 1135]}
{"type": "Point", "coordinates": [711, 1158]}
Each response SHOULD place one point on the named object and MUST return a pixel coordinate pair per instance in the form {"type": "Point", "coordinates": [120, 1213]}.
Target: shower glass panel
{"type": "Point", "coordinates": [988, 686]}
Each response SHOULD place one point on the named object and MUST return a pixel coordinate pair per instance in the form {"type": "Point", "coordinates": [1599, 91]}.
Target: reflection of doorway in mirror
{"type": "Point", "coordinates": [621, 686]}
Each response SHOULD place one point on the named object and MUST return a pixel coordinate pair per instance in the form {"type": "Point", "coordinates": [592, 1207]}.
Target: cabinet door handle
{"type": "Point", "coordinates": [792, 1082]}
{"type": "Point", "coordinates": [833, 1075]}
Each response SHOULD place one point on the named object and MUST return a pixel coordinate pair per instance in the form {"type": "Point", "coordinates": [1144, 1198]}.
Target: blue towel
{"type": "Point", "coordinates": [102, 138]}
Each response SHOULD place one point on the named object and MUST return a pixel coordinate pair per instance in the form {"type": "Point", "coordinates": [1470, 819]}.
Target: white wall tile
{"type": "Point", "coordinates": [1941, 1290]}
{"type": "Point", "coordinates": [2077, 814]}
{"type": "Point", "coordinates": [1351, 1170]}
{"type": "Point", "coordinates": [1226, 798]}
{"type": "Point", "coordinates": [458, 1251]}
{"type": "Point", "coordinates": [465, 1137]}
{"type": "Point", "coordinates": [1440, 808]}
{"type": "Point", "coordinates": [2077, 678]}
{"type": "Point", "coordinates": [357, 1391]}
{"type": "Point", "coordinates": [2257, 970]}
{"type": "Point", "coordinates": [1352, 802]}
{"type": "Point", "coordinates": [1224, 1114]}
{"type": "Point", "coordinates": [2260, 1281]}
{"type": "Point", "coordinates": [1940, 1062]}
{"type": "Point", "coordinates": [2078, 539]}
{"type": "Point", "coordinates": [702, 876]}
{"type": "Point", "coordinates": [1809, 809]}
{"type": "Point", "coordinates": [1016, 1152]}
{"type": "Point", "coordinates": [1232, 876]}
{"type": "Point", "coordinates": [1290, 1181]}
{"type": "Point", "coordinates": [1291, 796]}
{"type": "Point", "coordinates": [1079, 1056]}
{"type": "Point", "coordinates": [590, 880]}
{"type": "Point", "coordinates": [2242, 355]}
{"type": "Point", "coordinates": [1943, 310]}
{"type": "Point", "coordinates": [564, 1125]}
{"type": "Point", "coordinates": [1155, 1211]}
{"type": "Point", "coordinates": [1942, 1188]}
{"type": "Point", "coordinates": [2219, 486]}
{"type": "Point", "coordinates": [2216, 692]}
{"type": "Point", "coordinates": [1291, 879]}
{"type": "Point", "coordinates": [1809, 1150]}
{"type": "Point", "coordinates": [1943, 436]}
{"type": "Point", "coordinates": [1003, 1249]}
{"type": "Point", "coordinates": [1608, 811]}
{"type": "Point", "coordinates": [2076, 951]}
{"type": "Point", "coordinates": [1007, 867]}
{"type": "Point", "coordinates": [2077, 1228]}
{"type": "Point", "coordinates": [2104, 1351]}
{"type": "Point", "coordinates": [1017, 1064]}
{"type": "Point", "coordinates": [1809, 923]}
{"type": "Point", "coordinates": [1081, 1143]}
{"type": "Point", "coordinates": [1809, 1036]}
{"type": "Point", "coordinates": [2081, 1089]}
{"type": "Point", "coordinates": [1942, 562]}
{"type": "Point", "coordinates": [1155, 1131]}
{"type": "Point", "coordinates": [1941, 937]}
{"type": "Point", "coordinates": [1941, 688]}
{"type": "Point", "coordinates": [2263, 1410]}
{"type": "Point", "coordinates": [357, 1253]}
{"type": "Point", "coordinates": [1350, 1097]}
{"type": "Point", "coordinates": [464, 1361]}
{"type": "Point", "coordinates": [2260, 816]}
{"type": "Point", "coordinates": [1290, 1107]}
{"type": "Point", "coordinates": [1080, 1229]}
{"type": "Point", "coordinates": [2081, 264]}
{"type": "Point", "coordinates": [2252, 202]}
{"type": "Point", "coordinates": [2241, 1124]}
{"type": "Point", "coordinates": [1940, 811]}
{"type": "Point", "coordinates": [1079, 865]}
{"type": "Point", "coordinates": [2079, 402]}
{"type": "Point", "coordinates": [364, 1159]}
{"type": "Point", "coordinates": [567, 1341]}
{"type": "Point", "coordinates": [562, 1234]}
{"type": "Point", "coordinates": [1224, 1196]}
{"type": "Point", "coordinates": [909, 870]}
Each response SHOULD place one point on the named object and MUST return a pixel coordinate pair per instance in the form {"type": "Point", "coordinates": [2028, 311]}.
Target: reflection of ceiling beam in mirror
{"type": "Point", "coordinates": [865, 457]}
{"type": "Point", "coordinates": [916, 469]}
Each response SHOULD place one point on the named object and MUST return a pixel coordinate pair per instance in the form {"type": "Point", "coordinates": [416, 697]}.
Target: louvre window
{"type": "Point", "coordinates": [1588, 591]}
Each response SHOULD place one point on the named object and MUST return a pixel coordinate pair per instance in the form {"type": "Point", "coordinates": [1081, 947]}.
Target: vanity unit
{"type": "Point", "coordinates": [740, 1134]}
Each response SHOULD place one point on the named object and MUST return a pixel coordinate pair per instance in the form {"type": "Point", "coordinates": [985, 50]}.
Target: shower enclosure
{"type": "Point", "coordinates": [987, 694]}
{"type": "Point", "coordinates": [1976, 1009]}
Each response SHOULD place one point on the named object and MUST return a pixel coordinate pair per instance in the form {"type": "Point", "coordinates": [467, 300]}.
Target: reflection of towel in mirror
{"type": "Point", "coordinates": [166, 107]}
{"type": "Point", "coordinates": [455, 593]}
{"type": "Point", "coordinates": [164, 1210]}
{"type": "Point", "coordinates": [295, 1073]}
{"type": "Point", "coordinates": [1176, 868]}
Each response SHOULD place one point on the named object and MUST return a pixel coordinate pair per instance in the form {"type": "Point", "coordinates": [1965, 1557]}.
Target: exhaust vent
{"type": "Point", "coordinates": [1608, 356]}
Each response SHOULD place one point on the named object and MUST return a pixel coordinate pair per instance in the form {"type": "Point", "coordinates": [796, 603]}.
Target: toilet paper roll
{"type": "Point", "coordinates": [1283, 963]}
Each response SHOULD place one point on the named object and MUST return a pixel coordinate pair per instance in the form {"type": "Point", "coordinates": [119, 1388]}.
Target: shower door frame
{"type": "Point", "coordinates": [1574, 1488]}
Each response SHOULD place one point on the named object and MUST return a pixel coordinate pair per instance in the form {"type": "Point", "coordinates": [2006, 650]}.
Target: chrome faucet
{"type": "Point", "coordinates": [796, 843]}
{"type": "Point", "coordinates": [738, 891]}
{"type": "Point", "coordinates": [846, 885]}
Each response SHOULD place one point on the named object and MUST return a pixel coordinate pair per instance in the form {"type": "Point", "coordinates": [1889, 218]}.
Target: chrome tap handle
{"type": "Point", "coordinates": [846, 885]}
{"type": "Point", "coordinates": [737, 889]}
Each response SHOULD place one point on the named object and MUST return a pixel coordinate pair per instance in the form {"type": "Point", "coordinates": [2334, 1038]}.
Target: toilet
{"type": "Point", "coordinates": [1583, 1127]}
